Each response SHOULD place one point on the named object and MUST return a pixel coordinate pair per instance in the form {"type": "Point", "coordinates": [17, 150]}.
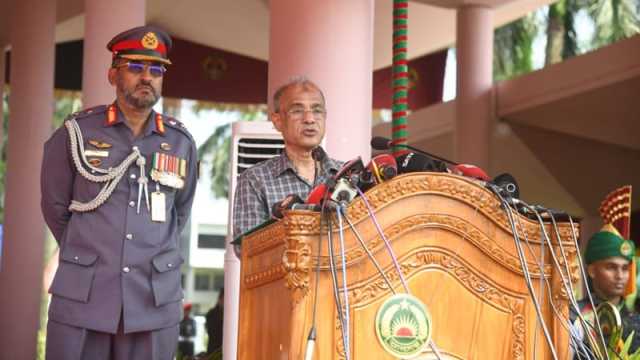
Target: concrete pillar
{"type": "Point", "coordinates": [330, 42]}
{"type": "Point", "coordinates": [30, 123]}
{"type": "Point", "coordinates": [474, 42]}
{"type": "Point", "coordinates": [103, 20]}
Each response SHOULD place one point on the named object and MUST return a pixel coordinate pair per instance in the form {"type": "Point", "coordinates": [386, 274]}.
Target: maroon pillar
{"type": "Point", "coordinates": [30, 123]}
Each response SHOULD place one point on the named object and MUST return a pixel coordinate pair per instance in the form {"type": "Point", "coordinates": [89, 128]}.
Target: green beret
{"type": "Point", "coordinates": [605, 244]}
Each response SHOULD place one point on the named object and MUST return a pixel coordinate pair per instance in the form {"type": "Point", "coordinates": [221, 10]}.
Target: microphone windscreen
{"type": "Point", "coordinates": [413, 162]}
{"type": "Point", "coordinates": [380, 143]}
{"type": "Point", "coordinates": [316, 195]}
{"type": "Point", "coordinates": [471, 171]}
{"type": "Point", "coordinates": [354, 166]}
{"type": "Point", "coordinates": [287, 203]}
{"type": "Point", "coordinates": [508, 183]}
{"type": "Point", "coordinates": [385, 166]}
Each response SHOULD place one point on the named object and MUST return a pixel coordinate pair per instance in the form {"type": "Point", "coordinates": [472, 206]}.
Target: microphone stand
{"type": "Point", "coordinates": [390, 144]}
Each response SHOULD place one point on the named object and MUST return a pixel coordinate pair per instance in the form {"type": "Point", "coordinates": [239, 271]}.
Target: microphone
{"type": "Point", "coordinates": [381, 168]}
{"type": "Point", "coordinates": [504, 183]}
{"type": "Point", "coordinates": [316, 195]}
{"type": "Point", "coordinates": [382, 143]}
{"type": "Point", "coordinates": [349, 171]}
{"type": "Point", "coordinates": [508, 183]}
{"type": "Point", "coordinates": [471, 171]}
{"type": "Point", "coordinates": [318, 154]}
{"type": "Point", "coordinates": [277, 211]}
{"type": "Point", "coordinates": [344, 191]}
{"type": "Point", "coordinates": [353, 166]}
{"type": "Point", "coordinates": [414, 162]}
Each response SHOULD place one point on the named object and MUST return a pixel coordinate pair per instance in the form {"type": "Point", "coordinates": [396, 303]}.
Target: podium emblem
{"type": "Point", "coordinates": [403, 326]}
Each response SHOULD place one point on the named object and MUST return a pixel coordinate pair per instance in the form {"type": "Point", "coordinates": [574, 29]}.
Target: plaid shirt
{"type": "Point", "coordinates": [267, 183]}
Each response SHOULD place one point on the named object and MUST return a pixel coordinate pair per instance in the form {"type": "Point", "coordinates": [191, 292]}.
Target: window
{"type": "Point", "coordinates": [203, 282]}
{"type": "Point", "coordinates": [207, 241]}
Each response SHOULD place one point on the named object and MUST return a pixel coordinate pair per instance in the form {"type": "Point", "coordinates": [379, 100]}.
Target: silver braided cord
{"type": "Point", "coordinates": [80, 141]}
{"type": "Point", "coordinates": [112, 176]}
{"type": "Point", "coordinates": [75, 136]}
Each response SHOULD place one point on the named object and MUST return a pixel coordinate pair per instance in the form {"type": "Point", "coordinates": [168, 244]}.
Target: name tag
{"type": "Point", "coordinates": [158, 207]}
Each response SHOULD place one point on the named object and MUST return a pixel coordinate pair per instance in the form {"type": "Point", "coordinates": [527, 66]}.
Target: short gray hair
{"type": "Point", "coordinates": [302, 81]}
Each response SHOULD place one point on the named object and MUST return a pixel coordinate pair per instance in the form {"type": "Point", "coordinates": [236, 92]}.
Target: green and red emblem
{"type": "Point", "coordinates": [403, 326]}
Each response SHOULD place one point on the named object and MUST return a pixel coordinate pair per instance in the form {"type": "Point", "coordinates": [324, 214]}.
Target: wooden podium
{"type": "Point", "coordinates": [456, 251]}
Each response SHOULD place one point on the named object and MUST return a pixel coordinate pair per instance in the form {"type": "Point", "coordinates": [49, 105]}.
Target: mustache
{"type": "Point", "coordinates": [148, 86]}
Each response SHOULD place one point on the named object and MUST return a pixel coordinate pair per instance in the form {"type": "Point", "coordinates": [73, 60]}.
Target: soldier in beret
{"type": "Point", "coordinates": [118, 182]}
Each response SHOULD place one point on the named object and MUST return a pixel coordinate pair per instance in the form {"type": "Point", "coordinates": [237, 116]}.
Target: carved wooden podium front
{"type": "Point", "coordinates": [456, 251]}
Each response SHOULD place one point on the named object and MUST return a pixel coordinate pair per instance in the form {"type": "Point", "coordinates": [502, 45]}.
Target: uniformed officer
{"type": "Point", "coordinates": [117, 186]}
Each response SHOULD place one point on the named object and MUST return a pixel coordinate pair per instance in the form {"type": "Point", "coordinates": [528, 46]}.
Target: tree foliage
{"type": "Point", "coordinates": [216, 150]}
{"type": "Point", "coordinates": [513, 48]}
{"type": "Point", "coordinates": [614, 20]}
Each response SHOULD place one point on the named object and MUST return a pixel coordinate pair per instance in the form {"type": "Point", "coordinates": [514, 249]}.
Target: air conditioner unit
{"type": "Point", "coordinates": [251, 143]}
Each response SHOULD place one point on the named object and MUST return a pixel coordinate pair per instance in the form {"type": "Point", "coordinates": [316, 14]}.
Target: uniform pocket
{"type": "Point", "coordinates": [165, 277]}
{"type": "Point", "coordinates": [75, 274]}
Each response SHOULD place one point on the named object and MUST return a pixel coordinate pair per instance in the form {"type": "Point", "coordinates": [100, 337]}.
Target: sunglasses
{"type": "Point", "coordinates": [139, 68]}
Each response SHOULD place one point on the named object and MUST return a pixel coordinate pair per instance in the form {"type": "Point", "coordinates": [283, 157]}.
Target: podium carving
{"type": "Point", "coordinates": [456, 250]}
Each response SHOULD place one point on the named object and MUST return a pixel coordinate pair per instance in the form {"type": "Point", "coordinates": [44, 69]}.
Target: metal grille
{"type": "Point", "coordinates": [254, 150]}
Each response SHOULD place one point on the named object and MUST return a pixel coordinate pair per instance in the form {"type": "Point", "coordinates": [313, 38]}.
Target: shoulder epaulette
{"type": "Point", "coordinates": [176, 124]}
{"type": "Point", "coordinates": [86, 112]}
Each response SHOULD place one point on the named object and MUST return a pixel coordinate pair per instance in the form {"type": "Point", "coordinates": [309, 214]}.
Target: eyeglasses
{"type": "Point", "coordinates": [139, 68]}
{"type": "Point", "coordinates": [299, 113]}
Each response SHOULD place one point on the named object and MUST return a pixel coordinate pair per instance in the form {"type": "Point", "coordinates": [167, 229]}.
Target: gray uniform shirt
{"type": "Point", "coordinates": [113, 260]}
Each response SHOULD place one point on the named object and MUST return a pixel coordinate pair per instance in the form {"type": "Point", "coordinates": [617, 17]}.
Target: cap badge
{"type": "Point", "coordinates": [150, 41]}
{"type": "Point", "coordinates": [625, 249]}
{"type": "Point", "coordinates": [95, 162]}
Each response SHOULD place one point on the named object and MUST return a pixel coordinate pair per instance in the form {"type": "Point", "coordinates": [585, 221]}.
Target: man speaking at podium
{"type": "Point", "coordinates": [299, 113]}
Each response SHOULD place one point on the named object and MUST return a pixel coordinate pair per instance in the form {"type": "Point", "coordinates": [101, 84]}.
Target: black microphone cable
{"type": "Point", "coordinates": [575, 342]}
{"type": "Point", "coordinates": [345, 291]}
{"type": "Point", "coordinates": [583, 272]}
{"type": "Point", "coordinates": [311, 338]}
{"type": "Point", "coordinates": [334, 281]}
{"type": "Point", "coordinates": [566, 278]}
{"type": "Point", "coordinates": [369, 254]}
{"type": "Point", "coordinates": [570, 285]}
{"type": "Point", "coordinates": [394, 260]}
{"type": "Point", "coordinates": [525, 270]}
{"type": "Point", "coordinates": [598, 326]}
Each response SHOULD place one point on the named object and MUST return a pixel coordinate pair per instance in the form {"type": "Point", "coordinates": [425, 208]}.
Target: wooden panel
{"type": "Point", "coordinates": [456, 251]}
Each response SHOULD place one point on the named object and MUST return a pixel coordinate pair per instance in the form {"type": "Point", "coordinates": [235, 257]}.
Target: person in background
{"type": "Point", "coordinates": [609, 259]}
{"type": "Point", "coordinates": [186, 347]}
{"type": "Point", "coordinates": [214, 324]}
